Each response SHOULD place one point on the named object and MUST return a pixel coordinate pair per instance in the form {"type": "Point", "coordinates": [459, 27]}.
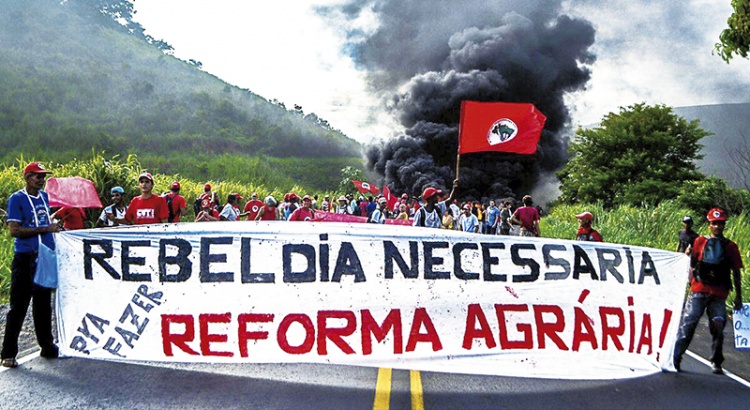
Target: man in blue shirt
{"type": "Point", "coordinates": [469, 223]}
{"type": "Point", "coordinates": [29, 223]}
{"type": "Point", "coordinates": [493, 218]}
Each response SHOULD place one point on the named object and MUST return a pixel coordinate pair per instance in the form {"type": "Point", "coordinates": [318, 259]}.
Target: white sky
{"type": "Point", "coordinates": [282, 50]}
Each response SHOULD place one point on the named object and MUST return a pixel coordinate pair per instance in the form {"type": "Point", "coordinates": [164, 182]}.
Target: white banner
{"type": "Point", "coordinates": [370, 295]}
{"type": "Point", "coordinates": [742, 327]}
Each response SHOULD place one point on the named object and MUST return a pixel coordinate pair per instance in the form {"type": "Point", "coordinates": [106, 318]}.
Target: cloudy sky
{"type": "Point", "coordinates": [299, 53]}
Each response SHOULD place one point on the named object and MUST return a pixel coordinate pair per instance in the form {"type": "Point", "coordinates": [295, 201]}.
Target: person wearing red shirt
{"type": "Point", "coordinates": [252, 207]}
{"type": "Point", "coordinates": [305, 213]}
{"type": "Point", "coordinates": [268, 211]}
{"type": "Point", "coordinates": [208, 213]}
{"type": "Point", "coordinates": [528, 217]}
{"type": "Point", "coordinates": [585, 231]}
{"type": "Point", "coordinates": [147, 208]}
{"type": "Point", "coordinates": [715, 263]}
{"type": "Point", "coordinates": [177, 201]}
{"type": "Point", "coordinates": [72, 218]}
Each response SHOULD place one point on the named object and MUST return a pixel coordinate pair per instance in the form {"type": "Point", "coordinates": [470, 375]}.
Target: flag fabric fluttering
{"type": "Point", "coordinates": [73, 192]}
{"type": "Point", "coordinates": [365, 187]}
{"type": "Point", "coordinates": [389, 197]}
{"type": "Point", "coordinates": [499, 127]}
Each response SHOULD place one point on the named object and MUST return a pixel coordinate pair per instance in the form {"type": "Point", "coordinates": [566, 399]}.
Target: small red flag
{"type": "Point", "coordinates": [390, 198]}
{"type": "Point", "coordinates": [366, 187]}
{"type": "Point", "coordinates": [500, 127]}
{"type": "Point", "coordinates": [73, 192]}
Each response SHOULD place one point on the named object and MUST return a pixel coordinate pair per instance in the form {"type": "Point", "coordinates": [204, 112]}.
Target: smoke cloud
{"type": "Point", "coordinates": [424, 58]}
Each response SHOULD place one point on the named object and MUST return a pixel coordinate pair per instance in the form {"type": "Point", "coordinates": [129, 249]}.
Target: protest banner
{"type": "Point", "coordinates": [741, 319]}
{"type": "Point", "coordinates": [369, 295]}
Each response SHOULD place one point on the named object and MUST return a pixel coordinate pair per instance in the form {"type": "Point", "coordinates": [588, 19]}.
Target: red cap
{"type": "Point", "coordinates": [586, 215]}
{"type": "Point", "coordinates": [430, 192]}
{"type": "Point", "coordinates": [238, 196]}
{"type": "Point", "coordinates": [467, 207]}
{"type": "Point", "coordinates": [293, 196]}
{"type": "Point", "coordinates": [175, 185]}
{"type": "Point", "coordinates": [35, 168]}
{"type": "Point", "coordinates": [716, 214]}
{"type": "Point", "coordinates": [146, 175]}
{"type": "Point", "coordinates": [306, 197]}
{"type": "Point", "coordinates": [207, 187]}
{"type": "Point", "coordinates": [404, 195]}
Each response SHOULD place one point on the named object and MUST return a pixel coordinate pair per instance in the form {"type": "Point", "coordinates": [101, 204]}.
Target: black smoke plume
{"type": "Point", "coordinates": [428, 56]}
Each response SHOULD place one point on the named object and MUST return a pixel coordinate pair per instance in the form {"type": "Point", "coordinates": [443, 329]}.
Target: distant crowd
{"type": "Point", "coordinates": [431, 209]}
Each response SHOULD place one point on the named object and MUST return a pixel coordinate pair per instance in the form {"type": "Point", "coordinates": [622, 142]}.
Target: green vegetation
{"type": "Point", "coordinates": [736, 38]}
{"type": "Point", "coordinates": [73, 79]}
{"type": "Point", "coordinates": [654, 227]}
{"type": "Point", "coordinates": [641, 155]}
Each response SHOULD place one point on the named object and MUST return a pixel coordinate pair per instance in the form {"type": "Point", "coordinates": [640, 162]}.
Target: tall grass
{"type": "Point", "coordinates": [654, 227]}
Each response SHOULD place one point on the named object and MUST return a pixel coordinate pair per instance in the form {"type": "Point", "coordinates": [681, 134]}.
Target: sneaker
{"type": "Point", "coordinates": [716, 369]}
{"type": "Point", "coordinates": [52, 352]}
{"type": "Point", "coordinates": [10, 362]}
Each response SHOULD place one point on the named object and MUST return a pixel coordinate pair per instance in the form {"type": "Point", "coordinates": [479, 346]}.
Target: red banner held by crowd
{"type": "Point", "coordinates": [500, 127]}
{"type": "Point", "coordinates": [365, 187]}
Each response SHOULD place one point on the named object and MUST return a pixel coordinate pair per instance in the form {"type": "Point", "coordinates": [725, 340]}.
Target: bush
{"type": "Point", "coordinates": [700, 196]}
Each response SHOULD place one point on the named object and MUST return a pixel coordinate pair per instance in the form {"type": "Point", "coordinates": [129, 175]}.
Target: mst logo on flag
{"type": "Point", "coordinates": [499, 126]}
{"type": "Point", "coordinates": [365, 187]}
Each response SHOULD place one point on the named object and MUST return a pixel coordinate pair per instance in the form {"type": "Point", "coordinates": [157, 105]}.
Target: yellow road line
{"type": "Point", "coordinates": [417, 398]}
{"type": "Point", "coordinates": [383, 390]}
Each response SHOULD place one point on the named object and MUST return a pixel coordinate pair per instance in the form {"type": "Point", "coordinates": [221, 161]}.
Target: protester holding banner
{"type": "Point", "coordinates": [305, 213]}
{"type": "Point", "coordinates": [715, 263]}
{"type": "Point", "coordinates": [528, 217]}
{"type": "Point", "coordinates": [30, 224]}
{"type": "Point", "coordinates": [114, 214]}
{"type": "Point", "coordinates": [147, 208]}
{"type": "Point", "coordinates": [585, 231]}
{"type": "Point", "coordinates": [431, 214]}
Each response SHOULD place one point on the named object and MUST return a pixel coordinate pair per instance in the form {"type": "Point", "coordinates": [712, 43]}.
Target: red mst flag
{"type": "Point", "coordinates": [364, 187]}
{"type": "Point", "coordinates": [391, 199]}
{"type": "Point", "coordinates": [500, 127]}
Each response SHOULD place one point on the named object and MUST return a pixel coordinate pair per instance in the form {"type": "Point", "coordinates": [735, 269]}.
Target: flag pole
{"type": "Point", "coordinates": [458, 163]}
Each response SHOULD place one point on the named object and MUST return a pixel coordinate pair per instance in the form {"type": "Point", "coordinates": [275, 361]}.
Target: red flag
{"type": "Point", "coordinates": [365, 187]}
{"type": "Point", "coordinates": [500, 127]}
{"type": "Point", "coordinates": [74, 192]}
{"type": "Point", "coordinates": [392, 199]}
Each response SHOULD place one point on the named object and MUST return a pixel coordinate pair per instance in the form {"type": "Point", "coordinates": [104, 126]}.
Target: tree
{"type": "Point", "coordinates": [736, 38]}
{"type": "Point", "coordinates": [349, 174]}
{"type": "Point", "coordinates": [641, 155]}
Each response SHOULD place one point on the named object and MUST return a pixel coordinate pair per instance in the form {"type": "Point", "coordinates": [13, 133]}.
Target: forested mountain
{"type": "Point", "coordinates": [73, 79]}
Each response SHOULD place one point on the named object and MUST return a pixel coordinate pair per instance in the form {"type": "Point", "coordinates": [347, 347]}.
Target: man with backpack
{"type": "Point", "coordinates": [431, 214]}
{"type": "Point", "coordinates": [715, 265]}
{"type": "Point", "coordinates": [176, 203]}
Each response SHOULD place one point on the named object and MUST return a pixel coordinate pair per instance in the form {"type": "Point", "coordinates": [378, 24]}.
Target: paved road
{"type": "Point", "coordinates": [89, 384]}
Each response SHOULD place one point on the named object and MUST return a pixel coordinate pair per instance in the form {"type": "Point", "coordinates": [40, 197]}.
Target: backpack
{"type": "Point", "coordinates": [196, 206]}
{"type": "Point", "coordinates": [716, 272]}
{"type": "Point", "coordinates": [169, 199]}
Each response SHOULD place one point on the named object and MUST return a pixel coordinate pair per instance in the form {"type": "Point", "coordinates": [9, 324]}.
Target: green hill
{"type": "Point", "coordinates": [73, 82]}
